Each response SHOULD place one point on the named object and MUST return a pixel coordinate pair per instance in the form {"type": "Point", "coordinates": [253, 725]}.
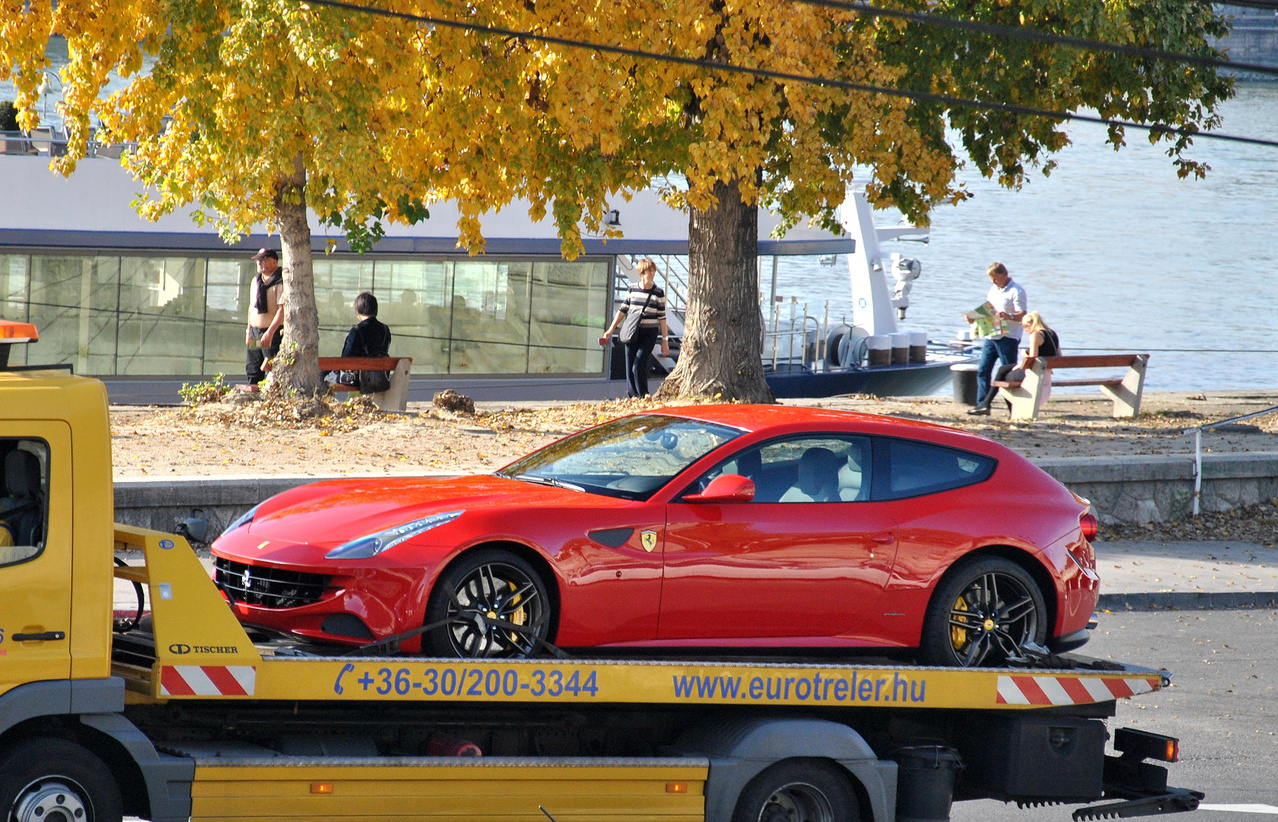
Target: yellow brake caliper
{"type": "Point", "coordinates": [958, 636]}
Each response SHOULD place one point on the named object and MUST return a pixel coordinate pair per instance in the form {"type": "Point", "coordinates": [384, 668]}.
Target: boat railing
{"type": "Point", "coordinates": [674, 271]}
{"type": "Point", "coordinates": [52, 142]}
{"type": "Point", "coordinates": [1197, 431]}
{"type": "Point", "coordinates": [787, 335]}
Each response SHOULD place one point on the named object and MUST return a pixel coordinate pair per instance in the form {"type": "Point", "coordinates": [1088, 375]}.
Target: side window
{"type": "Point", "coordinates": [913, 469]}
{"type": "Point", "coordinates": [823, 468]}
{"type": "Point", "coordinates": [24, 499]}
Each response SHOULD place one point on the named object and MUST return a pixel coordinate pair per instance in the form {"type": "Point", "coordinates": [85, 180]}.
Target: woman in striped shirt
{"type": "Point", "coordinates": [649, 303]}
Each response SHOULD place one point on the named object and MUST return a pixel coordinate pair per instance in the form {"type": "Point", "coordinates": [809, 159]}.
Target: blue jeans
{"type": "Point", "coordinates": [1002, 349]}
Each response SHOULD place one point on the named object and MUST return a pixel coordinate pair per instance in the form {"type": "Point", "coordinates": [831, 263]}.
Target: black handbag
{"type": "Point", "coordinates": [630, 325]}
{"type": "Point", "coordinates": [373, 382]}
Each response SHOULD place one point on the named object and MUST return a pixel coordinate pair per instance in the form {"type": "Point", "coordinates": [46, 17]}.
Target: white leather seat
{"type": "Point", "coordinates": [852, 485]}
{"type": "Point", "coordinates": [817, 478]}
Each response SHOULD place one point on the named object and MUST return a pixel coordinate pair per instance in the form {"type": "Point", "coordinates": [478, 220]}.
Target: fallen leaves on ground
{"type": "Point", "coordinates": [1256, 524]}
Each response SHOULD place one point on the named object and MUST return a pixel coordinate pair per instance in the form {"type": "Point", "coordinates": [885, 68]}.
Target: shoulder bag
{"type": "Point", "coordinates": [630, 326]}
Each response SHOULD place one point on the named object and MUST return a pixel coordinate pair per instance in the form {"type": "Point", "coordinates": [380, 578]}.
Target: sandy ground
{"type": "Point", "coordinates": [221, 439]}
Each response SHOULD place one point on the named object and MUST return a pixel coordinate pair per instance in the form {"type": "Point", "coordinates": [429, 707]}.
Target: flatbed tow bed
{"type": "Point", "coordinates": [183, 716]}
{"type": "Point", "coordinates": [200, 650]}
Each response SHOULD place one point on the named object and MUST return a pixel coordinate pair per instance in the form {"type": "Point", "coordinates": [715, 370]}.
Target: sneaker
{"type": "Point", "coordinates": [979, 411]}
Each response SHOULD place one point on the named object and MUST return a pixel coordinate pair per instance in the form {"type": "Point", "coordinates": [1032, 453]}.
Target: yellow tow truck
{"type": "Point", "coordinates": [173, 712]}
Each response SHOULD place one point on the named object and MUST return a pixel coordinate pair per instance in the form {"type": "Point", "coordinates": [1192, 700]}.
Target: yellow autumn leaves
{"type": "Point", "coordinates": [379, 108]}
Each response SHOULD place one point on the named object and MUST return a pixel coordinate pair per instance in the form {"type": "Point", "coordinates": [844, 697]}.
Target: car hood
{"type": "Point", "coordinates": [328, 514]}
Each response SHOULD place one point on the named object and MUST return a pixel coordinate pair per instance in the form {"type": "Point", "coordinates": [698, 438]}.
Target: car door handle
{"type": "Point", "coordinates": [47, 636]}
{"type": "Point", "coordinates": [885, 538]}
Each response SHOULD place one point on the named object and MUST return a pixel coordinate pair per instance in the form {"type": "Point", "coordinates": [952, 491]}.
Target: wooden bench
{"type": "Point", "coordinates": [394, 398]}
{"type": "Point", "coordinates": [1025, 397]}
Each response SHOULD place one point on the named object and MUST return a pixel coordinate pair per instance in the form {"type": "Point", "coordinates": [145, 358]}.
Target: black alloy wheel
{"type": "Point", "coordinates": [982, 614]}
{"type": "Point", "coordinates": [491, 605]}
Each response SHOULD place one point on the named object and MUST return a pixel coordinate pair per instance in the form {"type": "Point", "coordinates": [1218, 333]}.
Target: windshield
{"type": "Point", "coordinates": [631, 457]}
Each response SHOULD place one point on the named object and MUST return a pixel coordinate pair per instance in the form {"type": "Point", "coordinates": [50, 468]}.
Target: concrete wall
{"type": "Point", "coordinates": [1160, 489]}
{"type": "Point", "coordinates": [1122, 489]}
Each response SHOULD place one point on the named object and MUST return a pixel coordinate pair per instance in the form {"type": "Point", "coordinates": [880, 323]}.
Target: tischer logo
{"type": "Point", "coordinates": [648, 539]}
{"type": "Point", "coordinates": [180, 649]}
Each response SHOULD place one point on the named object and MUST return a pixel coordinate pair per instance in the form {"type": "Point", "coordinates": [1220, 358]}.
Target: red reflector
{"type": "Point", "coordinates": [1173, 751]}
{"type": "Point", "coordinates": [1089, 525]}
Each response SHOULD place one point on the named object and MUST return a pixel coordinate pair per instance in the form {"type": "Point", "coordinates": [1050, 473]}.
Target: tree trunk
{"type": "Point", "coordinates": [721, 354]}
{"type": "Point", "coordinates": [298, 367]}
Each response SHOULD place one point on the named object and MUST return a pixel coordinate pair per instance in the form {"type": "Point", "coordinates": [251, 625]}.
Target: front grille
{"type": "Point", "coordinates": [267, 587]}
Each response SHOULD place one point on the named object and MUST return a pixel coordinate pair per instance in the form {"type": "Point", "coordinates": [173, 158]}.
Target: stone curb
{"type": "Point", "coordinates": [1188, 601]}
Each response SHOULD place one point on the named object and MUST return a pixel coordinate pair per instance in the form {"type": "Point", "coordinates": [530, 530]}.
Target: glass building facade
{"type": "Point", "coordinates": [132, 315]}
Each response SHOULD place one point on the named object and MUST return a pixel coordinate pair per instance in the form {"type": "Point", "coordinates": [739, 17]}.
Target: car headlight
{"type": "Point", "coordinates": [374, 544]}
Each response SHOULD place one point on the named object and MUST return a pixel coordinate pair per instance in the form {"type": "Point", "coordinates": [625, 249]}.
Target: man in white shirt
{"type": "Point", "coordinates": [1010, 303]}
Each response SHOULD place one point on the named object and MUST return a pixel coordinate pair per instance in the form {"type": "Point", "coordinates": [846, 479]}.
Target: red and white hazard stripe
{"type": "Point", "coordinates": [1069, 690]}
{"type": "Point", "coordinates": [208, 680]}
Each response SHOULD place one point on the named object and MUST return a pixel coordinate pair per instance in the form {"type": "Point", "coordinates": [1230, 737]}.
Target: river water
{"type": "Point", "coordinates": [1115, 251]}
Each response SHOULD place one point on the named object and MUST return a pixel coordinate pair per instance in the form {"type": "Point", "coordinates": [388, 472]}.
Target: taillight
{"type": "Point", "coordinates": [1090, 526]}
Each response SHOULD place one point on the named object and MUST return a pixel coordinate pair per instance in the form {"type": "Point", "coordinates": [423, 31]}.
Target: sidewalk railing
{"type": "Point", "coordinates": [1198, 451]}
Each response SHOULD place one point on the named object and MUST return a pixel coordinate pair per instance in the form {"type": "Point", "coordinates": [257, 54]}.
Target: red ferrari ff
{"type": "Point", "coordinates": [733, 526]}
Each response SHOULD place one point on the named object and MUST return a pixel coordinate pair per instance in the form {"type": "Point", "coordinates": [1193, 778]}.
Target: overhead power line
{"type": "Point", "coordinates": [828, 82]}
{"type": "Point", "coordinates": [1023, 33]}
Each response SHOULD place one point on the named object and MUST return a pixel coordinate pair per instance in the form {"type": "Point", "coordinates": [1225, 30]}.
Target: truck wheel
{"type": "Point", "coordinates": [981, 614]}
{"type": "Point", "coordinates": [492, 605]}
{"type": "Point", "coordinates": [52, 780]}
{"type": "Point", "coordinates": [798, 790]}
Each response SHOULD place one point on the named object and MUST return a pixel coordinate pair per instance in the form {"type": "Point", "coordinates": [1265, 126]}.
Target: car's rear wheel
{"type": "Point", "coordinates": [982, 613]}
{"type": "Point", "coordinates": [489, 604]}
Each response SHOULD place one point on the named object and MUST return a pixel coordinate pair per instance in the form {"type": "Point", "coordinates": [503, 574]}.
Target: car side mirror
{"type": "Point", "coordinates": [725, 488]}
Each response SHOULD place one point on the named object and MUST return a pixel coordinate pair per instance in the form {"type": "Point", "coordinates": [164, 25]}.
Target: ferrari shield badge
{"type": "Point", "coordinates": [648, 539]}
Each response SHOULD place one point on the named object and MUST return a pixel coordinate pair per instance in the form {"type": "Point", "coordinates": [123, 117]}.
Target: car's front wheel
{"type": "Point", "coordinates": [982, 614]}
{"type": "Point", "coordinates": [489, 604]}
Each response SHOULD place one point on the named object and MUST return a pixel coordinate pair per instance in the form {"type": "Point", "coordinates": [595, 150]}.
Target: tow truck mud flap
{"type": "Point", "coordinates": [167, 778]}
{"type": "Point", "coordinates": [475, 789]}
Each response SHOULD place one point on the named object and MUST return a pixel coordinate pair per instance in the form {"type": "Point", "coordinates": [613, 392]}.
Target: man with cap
{"type": "Point", "coordinates": [265, 315]}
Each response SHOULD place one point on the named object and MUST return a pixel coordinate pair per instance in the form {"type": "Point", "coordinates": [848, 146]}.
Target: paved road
{"type": "Point", "coordinates": [1223, 706]}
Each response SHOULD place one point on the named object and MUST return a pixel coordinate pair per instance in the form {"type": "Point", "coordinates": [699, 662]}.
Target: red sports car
{"type": "Point", "coordinates": [733, 526]}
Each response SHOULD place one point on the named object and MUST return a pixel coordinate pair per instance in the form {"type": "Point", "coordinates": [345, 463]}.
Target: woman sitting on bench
{"type": "Point", "coordinates": [371, 338]}
{"type": "Point", "coordinates": [1043, 342]}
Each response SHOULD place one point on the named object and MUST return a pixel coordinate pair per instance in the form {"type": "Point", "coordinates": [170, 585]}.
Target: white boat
{"type": "Point", "coordinates": [808, 356]}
